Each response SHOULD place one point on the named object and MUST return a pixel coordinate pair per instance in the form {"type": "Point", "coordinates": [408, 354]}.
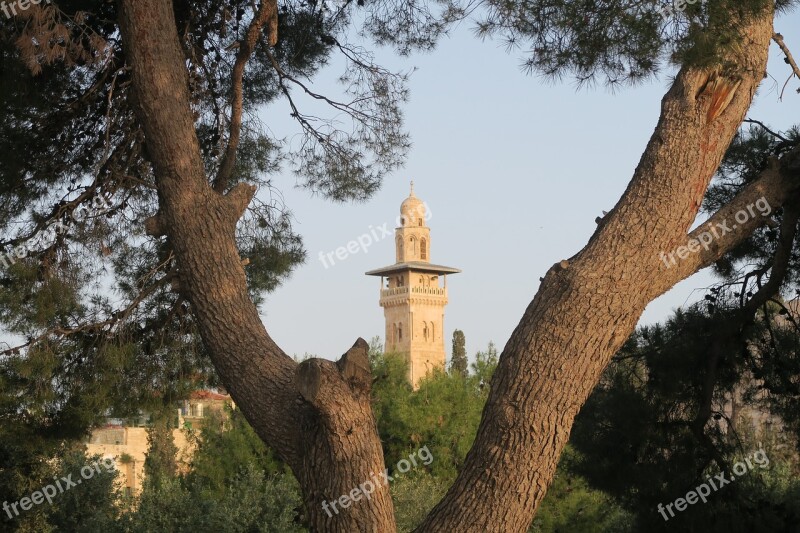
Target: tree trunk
{"type": "Point", "coordinates": [588, 306]}
{"type": "Point", "coordinates": [317, 415]}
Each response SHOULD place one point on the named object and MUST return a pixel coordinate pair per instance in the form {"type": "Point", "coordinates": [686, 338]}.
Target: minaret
{"type": "Point", "coordinates": [412, 297]}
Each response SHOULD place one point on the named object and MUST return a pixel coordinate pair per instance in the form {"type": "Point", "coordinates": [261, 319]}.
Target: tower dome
{"type": "Point", "coordinates": [412, 210]}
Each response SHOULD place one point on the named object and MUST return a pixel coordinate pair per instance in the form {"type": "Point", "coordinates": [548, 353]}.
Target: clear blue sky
{"type": "Point", "coordinates": [514, 170]}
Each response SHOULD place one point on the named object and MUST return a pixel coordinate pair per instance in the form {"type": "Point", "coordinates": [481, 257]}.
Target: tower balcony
{"type": "Point", "coordinates": [404, 295]}
{"type": "Point", "coordinates": [398, 291]}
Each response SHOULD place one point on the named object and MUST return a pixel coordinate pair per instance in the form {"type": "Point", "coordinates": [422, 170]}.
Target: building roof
{"type": "Point", "coordinates": [207, 395]}
{"type": "Point", "coordinates": [417, 266]}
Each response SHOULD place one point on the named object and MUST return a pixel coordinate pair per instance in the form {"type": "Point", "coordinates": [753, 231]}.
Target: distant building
{"type": "Point", "coordinates": [414, 293]}
{"type": "Point", "coordinates": [194, 411]}
{"type": "Point", "coordinates": [125, 441]}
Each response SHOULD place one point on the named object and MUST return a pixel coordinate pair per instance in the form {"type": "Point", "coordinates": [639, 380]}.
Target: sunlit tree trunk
{"type": "Point", "coordinates": [588, 306]}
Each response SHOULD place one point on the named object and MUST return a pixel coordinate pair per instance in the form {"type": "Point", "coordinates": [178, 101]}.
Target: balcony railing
{"type": "Point", "coordinates": [397, 291]}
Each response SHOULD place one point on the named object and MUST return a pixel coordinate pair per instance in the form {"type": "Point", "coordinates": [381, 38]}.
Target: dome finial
{"type": "Point", "coordinates": [412, 188]}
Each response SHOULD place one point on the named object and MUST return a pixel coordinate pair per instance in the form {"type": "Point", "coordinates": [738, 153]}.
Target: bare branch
{"type": "Point", "coordinates": [778, 38]}
{"type": "Point", "coordinates": [758, 122]}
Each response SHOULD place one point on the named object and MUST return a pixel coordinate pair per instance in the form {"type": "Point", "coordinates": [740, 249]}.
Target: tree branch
{"type": "Point", "coordinates": [267, 14]}
{"type": "Point", "coordinates": [758, 122]}
{"type": "Point", "coordinates": [116, 317]}
{"type": "Point", "coordinates": [778, 184]}
{"type": "Point", "coordinates": [778, 38]}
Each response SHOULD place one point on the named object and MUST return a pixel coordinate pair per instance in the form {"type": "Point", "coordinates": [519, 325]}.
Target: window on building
{"type": "Point", "coordinates": [399, 247]}
{"type": "Point", "coordinates": [413, 243]}
{"type": "Point", "coordinates": [425, 331]}
{"type": "Point", "coordinates": [423, 249]}
{"type": "Point", "coordinates": [400, 332]}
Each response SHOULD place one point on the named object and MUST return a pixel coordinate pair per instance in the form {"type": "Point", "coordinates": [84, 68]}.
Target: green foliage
{"type": "Point", "coordinates": [253, 502]}
{"type": "Point", "coordinates": [161, 462]}
{"type": "Point", "coordinates": [414, 496]}
{"type": "Point", "coordinates": [89, 506]}
{"type": "Point", "coordinates": [458, 363]}
{"type": "Point", "coordinates": [572, 506]}
{"type": "Point", "coordinates": [617, 41]}
{"type": "Point", "coordinates": [484, 365]}
{"type": "Point", "coordinates": [639, 437]}
{"type": "Point", "coordinates": [442, 414]}
{"type": "Point", "coordinates": [234, 485]}
{"type": "Point", "coordinates": [225, 444]}
{"type": "Point", "coordinates": [25, 466]}
{"type": "Point", "coordinates": [92, 505]}
{"type": "Point", "coordinates": [37, 434]}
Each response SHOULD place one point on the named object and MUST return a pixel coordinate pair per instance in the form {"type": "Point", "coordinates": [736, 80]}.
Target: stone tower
{"type": "Point", "coordinates": [414, 293]}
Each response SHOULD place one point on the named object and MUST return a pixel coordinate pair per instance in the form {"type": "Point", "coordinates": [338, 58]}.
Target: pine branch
{"type": "Point", "coordinates": [267, 14]}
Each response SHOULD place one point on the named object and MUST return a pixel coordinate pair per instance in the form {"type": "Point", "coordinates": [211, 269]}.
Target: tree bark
{"type": "Point", "coordinates": [588, 306]}
{"type": "Point", "coordinates": [318, 416]}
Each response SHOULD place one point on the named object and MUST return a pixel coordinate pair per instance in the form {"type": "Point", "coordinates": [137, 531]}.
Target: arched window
{"type": "Point", "coordinates": [420, 222]}
{"type": "Point", "coordinates": [425, 331]}
{"type": "Point", "coordinates": [399, 248]}
{"type": "Point", "coordinates": [413, 243]}
{"type": "Point", "coordinates": [400, 332]}
{"type": "Point", "coordinates": [433, 332]}
{"type": "Point", "coordinates": [423, 248]}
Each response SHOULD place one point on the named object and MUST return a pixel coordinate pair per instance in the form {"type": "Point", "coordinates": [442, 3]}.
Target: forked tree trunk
{"type": "Point", "coordinates": [317, 415]}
